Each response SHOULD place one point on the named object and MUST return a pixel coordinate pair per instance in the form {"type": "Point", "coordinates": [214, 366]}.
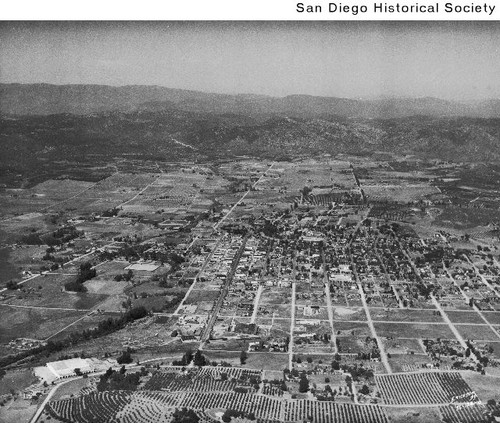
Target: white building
{"type": "Point", "coordinates": [66, 368]}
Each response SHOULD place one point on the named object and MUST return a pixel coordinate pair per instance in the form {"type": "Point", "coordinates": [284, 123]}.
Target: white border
{"type": "Point", "coordinates": [221, 10]}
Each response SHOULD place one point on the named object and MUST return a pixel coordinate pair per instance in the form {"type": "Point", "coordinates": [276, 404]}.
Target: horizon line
{"type": "Point", "coordinates": [380, 97]}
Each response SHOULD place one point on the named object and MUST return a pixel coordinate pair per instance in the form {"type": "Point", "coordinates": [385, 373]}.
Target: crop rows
{"type": "Point", "coordinates": [156, 407]}
{"type": "Point", "coordinates": [232, 372]}
{"type": "Point", "coordinates": [326, 412]}
{"type": "Point", "coordinates": [141, 410]}
{"type": "Point", "coordinates": [199, 380]}
{"type": "Point", "coordinates": [166, 399]}
{"type": "Point", "coordinates": [95, 407]}
{"type": "Point", "coordinates": [471, 414]}
{"type": "Point", "coordinates": [454, 385]}
{"type": "Point", "coordinates": [263, 407]}
{"type": "Point", "coordinates": [421, 388]}
{"type": "Point", "coordinates": [272, 390]}
{"type": "Point", "coordinates": [169, 382]}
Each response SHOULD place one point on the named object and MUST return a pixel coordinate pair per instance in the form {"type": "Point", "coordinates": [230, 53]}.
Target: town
{"type": "Point", "coordinates": [310, 288]}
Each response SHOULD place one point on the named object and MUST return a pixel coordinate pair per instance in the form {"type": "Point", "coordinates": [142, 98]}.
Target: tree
{"type": "Point", "coordinates": [243, 357]}
{"type": "Point", "coordinates": [125, 357]}
{"type": "Point", "coordinates": [303, 383]}
{"type": "Point", "coordinates": [364, 390]}
{"type": "Point", "coordinates": [12, 285]}
{"type": "Point", "coordinates": [305, 191]}
{"type": "Point", "coordinates": [185, 360]}
{"type": "Point", "coordinates": [75, 286]}
{"type": "Point", "coordinates": [86, 272]}
{"type": "Point", "coordinates": [185, 415]}
{"type": "Point", "coordinates": [199, 359]}
{"type": "Point", "coordinates": [229, 414]}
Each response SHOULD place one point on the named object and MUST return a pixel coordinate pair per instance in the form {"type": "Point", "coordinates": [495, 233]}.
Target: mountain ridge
{"type": "Point", "coordinates": [81, 99]}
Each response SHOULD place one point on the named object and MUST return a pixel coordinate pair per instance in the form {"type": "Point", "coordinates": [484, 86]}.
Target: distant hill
{"type": "Point", "coordinates": [45, 99]}
{"type": "Point", "coordinates": [81, 131]}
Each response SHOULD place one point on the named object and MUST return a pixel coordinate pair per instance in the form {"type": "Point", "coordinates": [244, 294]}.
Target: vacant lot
{"type": "Point", "coordinates": [201, 295]}
{"type": "Point", "coordinates": [407, 362]}
{"type": "Point", "coordinates": [352, 328]}
{"type": "Point", "coordinates": [492, 317]}
{"type": "Point", "coordinates": [33, 323]}
{"type": "Point", "coordinates": [402, 346]}
{"type": "Point", "coordinates": [88, 322]}
{"type": "Point", "coordinates": [106, 287]}
{"type": "Point", "coordinates": [476, 332]}
{"type": "Point", "coordinates": [48, 291]}
{"type": "Point", "coordinates": [413, 330]}
{"type": "Point", "coordinates": [464, 317]}
{"type": "Point", "coordinates": [16, 379]}
{"type": "Point", "coordinates": [405, 315]}
{"type": "Point", "coordinates": [411, 415]}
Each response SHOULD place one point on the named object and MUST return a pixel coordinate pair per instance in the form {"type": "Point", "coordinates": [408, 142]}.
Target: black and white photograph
{"type": "Point", "coordinates": [250, 221]}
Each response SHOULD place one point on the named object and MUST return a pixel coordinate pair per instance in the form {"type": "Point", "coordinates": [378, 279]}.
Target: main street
{"type": "Point", "coordinates": [328, 297]}
{"type": "Point", "coordinates": [222, 295]}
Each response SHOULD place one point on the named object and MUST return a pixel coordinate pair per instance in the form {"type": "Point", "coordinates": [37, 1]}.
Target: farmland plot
{"type": "Point", "coordinates": [421, 388]}
{"type": "Point", "coordinates": [326, 412]}
{"type": "Point", "coordinates": [471, 414]}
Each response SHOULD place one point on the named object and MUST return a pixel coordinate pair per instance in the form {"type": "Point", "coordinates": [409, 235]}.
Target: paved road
{"type": "Point", "coordinates": [330, 314]}
{"type": "Point", "coordinates": [292, 324]}
{"type": "Point", "coordinates": [383, 354]}
{"type": "Point", "coordinates": [256, 303]}
{"type": "Point", "coordinates": [329, 306]}
{"type": "Point", "coordinates": [224, 291]}
{"type": "Point", "coordinates": [447, 320]}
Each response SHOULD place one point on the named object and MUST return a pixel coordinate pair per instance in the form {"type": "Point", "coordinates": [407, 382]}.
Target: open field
{"type": "Point", "coordinates": [483, 333]}
{"type": "Point", "coordinates": [33, 323]}
{"type": "Point", "coordinates": [14, 379]}
{"type": "Point", "coordinates": [413, 330]}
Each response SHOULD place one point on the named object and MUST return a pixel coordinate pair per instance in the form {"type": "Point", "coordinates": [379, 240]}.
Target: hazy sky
{"type": "Point", "coordinates": [452, 60]}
